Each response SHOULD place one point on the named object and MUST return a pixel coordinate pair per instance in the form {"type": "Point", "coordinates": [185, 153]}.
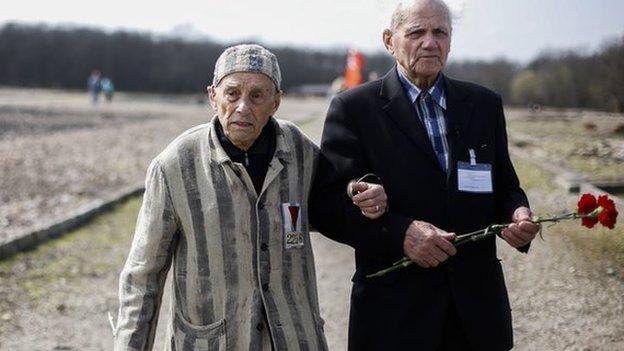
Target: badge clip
{"type": "Point", "coordinates": [473, 157]}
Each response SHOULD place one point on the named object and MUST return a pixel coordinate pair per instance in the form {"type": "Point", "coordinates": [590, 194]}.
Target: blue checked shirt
{"type": "Point", "coordinates": [433, 116]}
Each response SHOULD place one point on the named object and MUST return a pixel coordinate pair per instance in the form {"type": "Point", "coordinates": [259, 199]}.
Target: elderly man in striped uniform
{"type": "Point", "coordinates": [225, 207]}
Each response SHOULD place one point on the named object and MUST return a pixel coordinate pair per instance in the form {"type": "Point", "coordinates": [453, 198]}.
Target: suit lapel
{"type": "Point", "coordinates": [402, 112]}
{"type": "Point", "coordinates": [459, 111]}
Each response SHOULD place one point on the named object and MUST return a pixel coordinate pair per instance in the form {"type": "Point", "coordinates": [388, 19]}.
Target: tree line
{"type": "Point", "coordinates": [63, 57]}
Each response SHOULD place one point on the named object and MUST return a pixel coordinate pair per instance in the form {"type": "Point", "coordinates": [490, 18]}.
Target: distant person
{"type": "Point", "coordinates": [440, 147]}
{"type": "Point", "coordinates": [225, 208]}
{"type": "Point", "coordinates": [108, 89]}
{"type": "Point", "coordinates": [94, 85]}
{"type": "Point", "coordinates": [353, 69]}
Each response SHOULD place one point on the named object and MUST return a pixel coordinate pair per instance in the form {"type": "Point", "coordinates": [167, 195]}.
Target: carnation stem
{"type": "Point", "coordinates": [401, 264]}
{"type": "Point", "coordinates": [401, 261]}
{"type": "Point", "coordinates": [481, 234]}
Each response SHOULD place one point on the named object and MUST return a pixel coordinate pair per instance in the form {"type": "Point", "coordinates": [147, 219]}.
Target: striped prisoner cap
{"type": "Point", "coordinates": [247, 58]}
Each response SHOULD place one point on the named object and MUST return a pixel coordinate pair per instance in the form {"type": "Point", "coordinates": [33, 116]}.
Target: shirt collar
{"type": "Point", "coordinates": [436, 91]}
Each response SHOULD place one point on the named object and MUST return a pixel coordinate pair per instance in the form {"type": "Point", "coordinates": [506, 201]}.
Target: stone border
{"type": "Point", "coordinates": [31, 239]}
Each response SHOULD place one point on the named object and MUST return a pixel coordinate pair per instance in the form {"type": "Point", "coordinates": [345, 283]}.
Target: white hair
{"type": "Point", "coordinates": [393, 11]}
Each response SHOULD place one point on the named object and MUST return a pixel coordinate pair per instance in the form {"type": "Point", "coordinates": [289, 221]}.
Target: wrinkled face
{"type": "Point", "coordinates": [421, 43]}
{"type": "Point", "coordinates": [244, 102]}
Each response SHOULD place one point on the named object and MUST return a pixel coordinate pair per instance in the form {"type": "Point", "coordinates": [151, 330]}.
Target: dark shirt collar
{"type": "Point", "coordinates": [262, 145]}
{"type": "Point", "coordinates": [256, 160]}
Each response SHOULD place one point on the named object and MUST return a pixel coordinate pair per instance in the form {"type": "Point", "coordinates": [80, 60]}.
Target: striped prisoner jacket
{"type": "Point", "coordinates": [232, 252]}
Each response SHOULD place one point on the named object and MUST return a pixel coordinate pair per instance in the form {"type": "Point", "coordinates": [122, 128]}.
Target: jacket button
{"type": "Point", "coordinates": [264, 247]}
{"type": "Point", "coordinates": [265, 287]}
{"type": "Point", "coordinates": [260, 326]}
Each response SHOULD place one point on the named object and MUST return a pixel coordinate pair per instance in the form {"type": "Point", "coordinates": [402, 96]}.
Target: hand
{"type": "Point", "coordinates": [427, 245]}
{"type": "Point", "coordinates": [522, 231]}
{"type": "Point", "coordinates": [370, 198]}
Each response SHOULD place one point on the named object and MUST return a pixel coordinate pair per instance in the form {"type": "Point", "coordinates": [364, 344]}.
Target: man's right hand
{"type": "Point", "coordinates": [370, 198]}
{"type": "Point", "coordinates": [427, 245]}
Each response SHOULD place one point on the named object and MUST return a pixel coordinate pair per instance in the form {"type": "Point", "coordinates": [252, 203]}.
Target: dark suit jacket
{"type": "Point", "coordinates": [374, 128]}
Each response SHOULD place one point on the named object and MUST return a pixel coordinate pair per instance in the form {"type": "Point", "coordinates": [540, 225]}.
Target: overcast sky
{"type": "Point", "coordinates": [483, 29]}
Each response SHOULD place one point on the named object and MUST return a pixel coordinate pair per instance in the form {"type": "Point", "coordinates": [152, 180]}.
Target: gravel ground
{"type": "Point", "coordinates": [566, 294]}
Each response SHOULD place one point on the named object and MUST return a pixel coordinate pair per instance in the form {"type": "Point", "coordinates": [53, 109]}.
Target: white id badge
{"type": "Point", "coordinates": [474, 178]}
{"type": "Point", "coordinates": [291, 225]}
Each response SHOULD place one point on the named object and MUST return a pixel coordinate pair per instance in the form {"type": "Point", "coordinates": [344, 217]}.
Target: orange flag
{"type": "Point", "coordinates": [353, 71]}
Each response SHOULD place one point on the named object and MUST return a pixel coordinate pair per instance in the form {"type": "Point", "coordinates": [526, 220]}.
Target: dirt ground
{"type": "Point", "coordinates": [566, 294]}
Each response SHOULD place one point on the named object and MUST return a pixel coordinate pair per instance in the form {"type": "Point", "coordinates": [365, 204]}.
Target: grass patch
{"type": "Point", "coordinates": [96, 250]}
{"type": "Point", "coordinates": [532, 176]}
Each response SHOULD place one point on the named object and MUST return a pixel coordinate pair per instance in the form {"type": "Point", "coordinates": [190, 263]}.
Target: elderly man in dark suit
{"type": "Point", "coordinates": [440, 148]}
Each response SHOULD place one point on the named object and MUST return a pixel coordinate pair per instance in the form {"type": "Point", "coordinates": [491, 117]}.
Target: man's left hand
{"type": "Point", "coordinates": [522, 231]}
{"type": "Point", "coordinates": [370, 198]}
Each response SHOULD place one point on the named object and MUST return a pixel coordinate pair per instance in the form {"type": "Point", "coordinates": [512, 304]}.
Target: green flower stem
{"type": "Point", "coordinates": [401, 261]}
{"type": "Point", "coordinates": [475, 237]}
{"type": "Point", "coordinates": [493, 229]}
{"type": "Point", "coordinates": [400, 265]}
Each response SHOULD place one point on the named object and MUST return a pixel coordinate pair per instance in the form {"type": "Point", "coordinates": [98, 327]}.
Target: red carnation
{"type": "Point", "coordinates": [589, 222]}
{"type": "Point", "coordinates": [608, 215]}
{"type": "Point", "coordinates": [586, 205]}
